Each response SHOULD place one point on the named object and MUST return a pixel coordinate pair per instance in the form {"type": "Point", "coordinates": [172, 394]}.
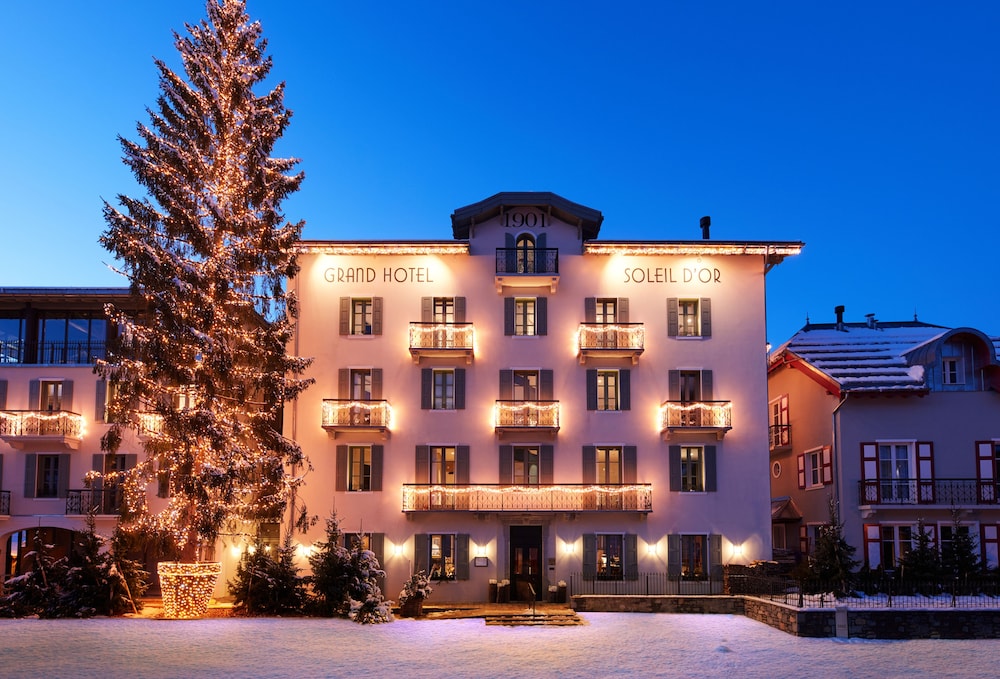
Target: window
{"type": "Point", "coordinates": [896, 542]}
{"type": "Point", "coordinates": [693, 468]}
{"type": "Point", "coordinates": [525, 246]}
{"type": "Point", "coordinates": [525, 385]}
{"type": "Point", "coordinates": [443, 466]}
{"type": "Point", "coordinates": [694, 557]}
{"type": "Point", "coordinates": [359, 468]}
{"type": "Point", "coordinates": [525, 472]}
{"type": "Point", "coordinates": [605, 310]}
{"type": "Point", "coordinates": [443, 310]}
{"type": "Point", "coordinates": [51, 395]}
{"type": "Point", "coordinates": [360, 316]}
{"type": "Point", "coordinates": [608, 390]}
{"type": "Point", "coordinates": [779, 430]}
{"type": "Point", "coordinates": [442, 388]}
{"type": "Point", "coordinates": [610, 549]}
{"type": "Point", "coordinates": [525, 316]}
{"type": "Point", "coordinates": [610, 556]}
{"type": "Point", "coordinates": [689, 317]}
{"type": "Point", "coordinates": [445, 556]}
{"type": "Point", "coordinates": [361, 384]}
{"type": "Point", "coordinates": [957, 545]}
{"type": "Point", "coordinates": [185, 398]}
{"type": "Point", "coordinates": [442, 556]}
{"type": "Point", "coordinates": [526, 465]}
{"type": "Point", "coordinates": [952, 371]}
{"type": "Point", "coordinates": [609, 465]}
{"type": "Point", "coordinates": [692, 475]}
{"type": "Point", "coordinates": [47, 479]}
{"type": "Point", "coordinates": [895, 476]}
{"type": "Point", "coordinates": [815, 468]}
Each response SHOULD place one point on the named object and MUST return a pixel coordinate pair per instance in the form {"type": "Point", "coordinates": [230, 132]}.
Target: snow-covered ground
{"type": "Point", "coordinates": [612, 644]}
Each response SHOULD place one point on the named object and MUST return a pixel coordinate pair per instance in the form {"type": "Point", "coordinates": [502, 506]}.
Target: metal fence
{"type": "Point", "coordinates": [647, 584]}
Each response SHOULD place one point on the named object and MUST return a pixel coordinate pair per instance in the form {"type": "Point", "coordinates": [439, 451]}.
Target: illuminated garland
{"type": "Point", "coordinates": [671, 414]}
{"type": "Point", "coordinates": [187, 587]}
{"type": "Point", "coordinates": [382, 248]}
{"type": "Point", "coordinates": [338, 413]}
{"type": "Point", "coordinates": [32, 423]}
{"type": "Point", "coordinates": [506, 414]}
{"type": "Point", "coordinates": [436, 494]}
{"type": "Point", "coordinates": [689, 248]}
{"type": "Point", "coordinates": [455, 336]}
{"type": "Point", "coordinates": [590, 336]}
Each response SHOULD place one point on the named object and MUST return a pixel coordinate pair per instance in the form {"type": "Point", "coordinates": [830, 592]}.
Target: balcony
{"type": "Point", "coordinates": [442, 340]}
{"type": "Point", "coordinates": [150, 425]}
{"type": "Point", "coordinates": [696, 417]}
{"type": "Point", "coordinates": [107, 501]}
{"type": "Point", "coordinates": [542, 498]}
{"type": "Point", "coordinates": [943, 492]}
{"type": "Point", "coordinates": [611, 340]}
{"type": "Point", "coordinates": [520, 416]}
{"type": "Point", "coordinates": [527, 268]}
{"type": "Point", "coordinates": [779, 437]}
{"type": "Point", "coordinates": [26, 428]}
{"type": "Point", "coordinates": [342, 416]}
{"type": "Point", "coordinates": [84, 352]}
{"type": "Point", "coordinates": [4, 503]}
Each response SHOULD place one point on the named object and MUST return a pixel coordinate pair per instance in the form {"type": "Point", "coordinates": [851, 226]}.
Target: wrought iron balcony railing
{"type": "Point", "coordinates": [418, 497]}
{"type": "Point", "coordinates": [99, 501]}
{"type": "Point", "coordinates": [18, 427]}
{"type": "Point", "coordinates": [150, 424]}
{"type": "Point", "coordinates": [442, 339]}
{"type": "Point", "coordinates": [54, 353]}
{"type": "Point", "coordinates": [345, 415]}
{"type": "Point", "coordinates": [950, 492]}
{"type": "Point", "coordinates": [531, 261]}
{"type": "Point", "coordinates": [696, 416]}
{"type": "Point", "coordinates": [4, 503]}
{"type": "Point", "coordinates": [526, 415]}
{"type": "Point", "coordinates": [779, 436]}
{"type": "Point", "coordinates": [611, 339]}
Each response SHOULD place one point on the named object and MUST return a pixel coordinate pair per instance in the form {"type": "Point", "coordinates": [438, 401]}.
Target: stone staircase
{"type": "Point", "coordinates": [529, 619]}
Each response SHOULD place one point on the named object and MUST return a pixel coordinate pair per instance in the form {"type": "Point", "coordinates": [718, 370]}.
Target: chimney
{"type": "Point", "coordinates": [706, 223]}
{"type": "Point", "coordinates": [839, 310]}
{"type": "Point", "coordinates": [872, 321]}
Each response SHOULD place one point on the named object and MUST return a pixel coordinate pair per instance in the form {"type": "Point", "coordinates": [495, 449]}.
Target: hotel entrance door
{"type": "Point", "coordinates": [525, 563]}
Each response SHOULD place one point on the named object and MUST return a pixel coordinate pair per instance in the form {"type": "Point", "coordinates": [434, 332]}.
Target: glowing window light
{"type": "Point", "coordinates": [442, 336]}
{"type": "Point", "coordinates": [348, 413]}
{"type": "Point", "coordinates": [526, 414]}
{"type": "Point", "coordinates": [187, 587]}
{"type": "Point", "coordinates": [15, 423]}
{"type": "Point", "coordinates": [611, 336]}
{"type": "Point", "coordinates": [717, 414]}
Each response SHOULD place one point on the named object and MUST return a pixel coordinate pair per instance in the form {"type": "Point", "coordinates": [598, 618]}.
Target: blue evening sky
{"type": "Point", "coordinates": [869, 130]}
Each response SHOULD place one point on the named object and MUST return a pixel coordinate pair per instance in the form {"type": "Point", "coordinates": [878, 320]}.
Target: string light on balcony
{"type": "Point", "coordinates": [592, 336]}
{"type": "Point", "coordinates": [42, 423]}
{"type": "Point", "coordinates": [718, 412]}
{"type": "Point", "coordinates": [411, 494]}
{"type": "Point", "coordinates": [544, 414]}
{"type": "Point", "coordinates": [339, 412]}
{"type": "Point", "coordinates": [449, 335]}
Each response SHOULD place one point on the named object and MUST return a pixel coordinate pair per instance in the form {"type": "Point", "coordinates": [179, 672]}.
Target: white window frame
{"type": "Point", "coordinates": [688, 324]}
{"type": "Point", "coordinates": [609, 395]}
{"type": "Point", "coordinates": [359, 468]}
{"type": "Point", "coordinates": [525, 316]}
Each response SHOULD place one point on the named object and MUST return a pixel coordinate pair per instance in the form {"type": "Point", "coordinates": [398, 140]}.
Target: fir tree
{"type": "Point", "coordinates": [367, 603]}
{"type": "Point", "coordinates": [920, 568]}
{"type": "Point", "coordinates": [330, 578]}
{"type": "Point", "coordinates": [833, 561]}
{"type": "Point", "coordinates": [34, 591]}
{"type": "Point", "coordinates": [207, 251]}
{"type": "Point", "coordinates": [267, 583]}
{"type": "Point", "coordinates": [960, 555]}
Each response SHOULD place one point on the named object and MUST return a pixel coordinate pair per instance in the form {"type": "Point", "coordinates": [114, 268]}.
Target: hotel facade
{"type": "Point", "coordinates": [528, 402]}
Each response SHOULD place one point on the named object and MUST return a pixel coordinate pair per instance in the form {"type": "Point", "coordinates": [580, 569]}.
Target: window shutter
{"type": "Point", "coordinates": [706, 317]}
{"type": "Point", "coordinates": [589, 556]}
{"type": "Point", "coordinates": [506, 385]}
{"type": "Point", "coordinates": [506, 465]}
{"type": "Point", "coordinates": [674, 460]}
{"type": "Point", "coordinates": [509, 241]}
{"type": "Point", "coordinates": [462, 556]}
{"type": "Point", "coordinates": [673, 385]}
{"type": "Point", "coordinates": [622, 310]}
{"type": "Point", "coordinates": [800, 461]}
{"type": "Point", "coordinates": [345, 315]}
{"type": "Point", "coordinates": [97, 464]}
{"type": "Point", "coordinates": [631, 556]}
{"type": "Point", "coordinates": [342, 469]}
{"type": "Point", "coordinates": [804, 539]}
{"type": "Point", "coordinates": [673, 556]}
{"type": "Point", "coordinates": [62, 483]}
{"type": "Point", "coordinates": [462, 465]}
{"type": "Point", "coordinates": [672, 322]}
{"type": "Point", "coordinates": [460, 310]}
{"type": "Point", "coordinates": [630, 464]}
{"type": "Point", "coordinates": [541, 316]}
{"type": "Point", "coordinates": [377, 384]}
{"type": "Point", "coordinates": [545, 381]}
{"type": "Point", "coordinates": [30, 474]}
{"type": "Point", "coordinates": [99, 399]}
{"type": "Point", "coordinates": [421, 553]}
{"type": "Point", "coordinates": [710, 469]}
{"type": "Point", "coordinates": [925, 472]}
{"type": "Point", "coordinates": [591, 390]}
{"type": "Point", "coordinates": [590, 310]}
{"type": "Point", "coordinates": [715, 555]}
{"type": "Point", "coordinates": [426, 309]}
{"type": "Point", "coordinates": [590, 464]}
{"type": "Point", "coordinates": [376, 315]}
{"type": "Point", "coordinates": [546, 462]}
{"type": "Point", "coordinates": [827, 465]}
{"type": "Point", "coordinates": [3, 394]}
{"type": "Point", "coordinates": [625, 389]}
{"type": "Point", "coordinates": [706, 385]}
{"type": "Point", "coordinates": [510, 258]}
{"type": "Point", "coordinates": [508, 316]}
{"type": "Point", "coordinates": [426, 388]}
{"type": "Point", "coordinates": [459, 388]}
{"type": "Point", "coordinates": [377, 452]}
{"type": "Point", "coordinates": [67, 395]}
{"type": "Point", "coordinates": [423, 470]}
{"type": "Point", "coordinates": [540, 241]}
{"type": "Point", "coordinates": [343, 383]}
{"type": "Point", "coordinates": [985, 472]}
{"type": "Point", "coordinates": [869, 473]}
{"type": "Point", "coordinates": [34, 395]}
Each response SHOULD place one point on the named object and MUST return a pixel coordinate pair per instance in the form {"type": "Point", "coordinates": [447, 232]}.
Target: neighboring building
{"type": "Point", "coordinates": [895, 422]}
{"type": "Point", "coordinates": [528, 402]}
{"type": "Point", "coordinates": [52, 417]}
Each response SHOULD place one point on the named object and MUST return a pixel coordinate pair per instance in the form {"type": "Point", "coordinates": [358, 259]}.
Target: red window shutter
{"type": "Point", "coordinates": [986, 472]}
{"type": "Point", "coordinates": [801, 462]}
{"type": "Point", "coordinates": [827, 465]}
{"type": "Point", "coordinates": [925, 472]}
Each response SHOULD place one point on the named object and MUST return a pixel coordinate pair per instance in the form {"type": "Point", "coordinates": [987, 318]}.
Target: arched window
{"type": "Point", "coordinates": [525, 246]}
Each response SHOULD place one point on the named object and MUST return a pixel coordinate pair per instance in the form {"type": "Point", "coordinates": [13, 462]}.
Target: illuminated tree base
{"type": "Point", "coordinates": [187, 587]}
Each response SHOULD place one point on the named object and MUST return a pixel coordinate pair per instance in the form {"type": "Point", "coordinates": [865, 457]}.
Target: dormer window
{"type": "Point", "coordinates": [952, 371]}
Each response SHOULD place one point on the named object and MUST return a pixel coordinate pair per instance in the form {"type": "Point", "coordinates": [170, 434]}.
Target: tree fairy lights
{"type": "Point", "coordinates": [187, 587]}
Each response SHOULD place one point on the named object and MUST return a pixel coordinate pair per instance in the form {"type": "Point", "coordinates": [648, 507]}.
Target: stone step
{"type": "Point", "coordinates": [537, 620]}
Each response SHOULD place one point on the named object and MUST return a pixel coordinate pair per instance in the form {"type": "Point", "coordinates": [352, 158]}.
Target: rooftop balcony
{"type": "Point", "coordinates": [696, 417]}
{"type": "Point", "coordinates": [527, 268]}
{"type": "Point", "coordinates": [541, 498]}
{"type": "Point", "coordinates": [26, 428]}
{"type": "Point", "coordinates": [442, 340]}
{"type": "Point", "coordinates": [943, 492]}
{"type": "Point", "coordinates": [107, 501]}
{"type": "Point", "coordinates": [342, 416]}
{"type": "Point", "coordinates": [779, 436]}
{"type": "Point", "coordinates": [519, 416]}
{"type": "Point", "coordinates": [84, 352]}
{"type": "Point", "coordinates": [611, 340]}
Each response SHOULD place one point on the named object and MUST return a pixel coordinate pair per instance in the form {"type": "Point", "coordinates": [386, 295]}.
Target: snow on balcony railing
{"type": "Point", "coordinates": [528, 498]}
{"type": "Point", "coordinates": [346, 413]}
{"type": "Point", "coordinates": [696, 414]}
{"type": "Point", "coordinates": [527, 414]}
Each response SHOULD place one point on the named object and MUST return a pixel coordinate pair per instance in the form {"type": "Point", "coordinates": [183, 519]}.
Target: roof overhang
{"type": "Point", "coordinates": [381, 247]}
{"type": "Point", "coordinates": [773, 252]}
{"type": "Point", "coordinates": [584, 218]}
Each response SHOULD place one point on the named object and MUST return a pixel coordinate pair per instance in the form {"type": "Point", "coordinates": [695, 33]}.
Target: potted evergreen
{"type": "Point", "coordinates": [415, 591]}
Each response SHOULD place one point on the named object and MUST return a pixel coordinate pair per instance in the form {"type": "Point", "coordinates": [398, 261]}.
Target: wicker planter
{"type": "Point", "coordinates": [412, 608]}
{"type": "Point", "coordinates": [187, 587]}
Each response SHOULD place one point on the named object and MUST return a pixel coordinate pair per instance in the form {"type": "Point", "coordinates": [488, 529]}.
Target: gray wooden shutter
{"type": "Point", "coordinates": [421, 553]}
{"type": "Point", "coordinates": [506, 465]}
{"type": "Point", "coordinates": [423, 471]}
{"type": "Point", "coordinates": [706, 385]}
{"type": "Point", "coordinates": [97, 464]}
{"type": "Point", "coordinates": [591, 390]}
{"type": "Point", "coordinates": [462, 556]}
{"type": "Point", "coordinates": [426, 309]}
{"type": "Point", "coordinates": [545, 385]}
{"type": "Point", "coordinates": [589, 556]}
{"type": "Point", "coordinates": [510, 259]}
{"type": "Point", "coordinates": [63, 480]}
{"type": "Point", "coordinates": [376, 315]}
{"type": "Point", "coordinates": [377, 384]}
{"type": "Point", "coordinates": [624, 390]}
{"type": "Point", "coordinates": [460, 310]}
{"type": "Point", "coordinates": [30, 474]}
{"type": "Point", "coordinates": [541, 316]}
{"type": "Point", "coordinates": [426, 389]}
{"type": "Point", "coordinates": [343, 383]}
{"type": "Point", "coordinates": [590, 310]}
{"type": "Point", "coordinates": [506, 385]}
{"type": "Point", "coordinates": [621, 311]}
{"type": "Point", "coordinates": [345, 315]}
{"type": "Point", "coordinates": [672, 322]}
{"type": "Point", "coordinates": [508, 316]}
{"type": "Point", "coordinates": [706, 317]}
{"type": "Point", "coordinates": [34, 395]}
{"type": "Point", "coordinates": [673, 556]}
{"type": "Point", "coordinates": [546, 464]}
{"type": "Point", "coordinates": [631, 556]}
{"type": "Point", "coordinates": [378, 451]}
{"type": "Point", "coordinates": [459, 388]}
{"type": "Point", "coordinates": [630, 465]}
{"type": "Point", "coordinates": [674, 461]}
{"type": "Point", "coordinates": [462, 465]}
{"type": "Point", "coordinates": [711, 484]}
{"type": "Point", "coordinates": [3, 394]}
{"type": "Point", "coordinates": [590, 464]}
{"type": "Point", "coordinates": [715, 555]}
{"type": "Point", "coordinates": [673, 385]}
{"type": "Point", "coordinates": [340, 484]}
{"type": "Point", "coordinates": [66, 402]}
{"type": "Point", "coordinates": [99, 400]}
{"type": "Point", "coordinates": [540, 242]}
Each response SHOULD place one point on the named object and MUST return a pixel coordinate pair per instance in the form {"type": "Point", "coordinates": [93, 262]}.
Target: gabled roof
{"type": "Point", "coordinates": [585, 218]}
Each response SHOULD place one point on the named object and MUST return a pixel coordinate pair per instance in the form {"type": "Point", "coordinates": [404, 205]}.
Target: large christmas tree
{"type": "Point", "coordinates": [202, 373]}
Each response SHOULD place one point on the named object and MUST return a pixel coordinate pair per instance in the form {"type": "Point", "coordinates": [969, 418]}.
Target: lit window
{"type": "Point", "coordinates": [606, 310]}
{"type": "Point", "coordinates": [610, 550]}
{"type": "Point", "coordinates": [524, 316]}
{"type": "Point", "coordinates": [525, 247]}
{"type": "Point", "coordinates": [361, 317]}
{"type": "Point", "coordinates": [687, 318]}
{"type": "Point", "coordinates": [444, 310]}
{"type": "Point", "coordinates": [359, 468]}
{"type": "Point", "coordinates": [51, 395]}
{"type": "Point", "coordinates": [692, 469]}
{"type": "Point", "coordinates": [607, 390]}
{"type": "Point", "coordinates": [694, 557]}
{"type": "Point", "coordinates": [442, 465]}
{"type": "Point", "coordinates": [442, 555]}
{"type": "Point", "coordinates": [525, 466]}
{"type": "Point", "coordinates": [895, 462]}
